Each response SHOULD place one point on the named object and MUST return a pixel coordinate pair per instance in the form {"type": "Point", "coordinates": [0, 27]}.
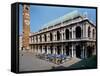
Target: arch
{"type": "Point", "coordinates": [41, 49]}
{"type": "Point", "coordinates": [36, 38]}
{"type": "Point", "coordinates": [45, 49]}
{"type": "Point", "coordinates": [58, 50]}
{"type": "Point", "coordinates": [45, 37]}
{"type": "Point", "coordinates": [78, 51]}
{"type": "Point", "coordinates": [58, 35]}
{"type": "Point", "coordinates": [67, 50]}
{"type": "Point", "coordinates": [78, 32]}
{"type": "Point", "coordinates": [51, 36]}
{"type": "Point", "coordinates": [51, 49]}
{"type": "Point", "coordinates": [89, 51]}
{"type": "Point", "coordinates": [67, 33]}
{"type": "Point", "coordinates": [89, 31]}
{"type": "Point", "coordinates": [40, 38]}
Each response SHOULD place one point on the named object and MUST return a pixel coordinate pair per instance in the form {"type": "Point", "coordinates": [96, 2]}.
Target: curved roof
{"type": "Point", "coordinates": [62, 19]}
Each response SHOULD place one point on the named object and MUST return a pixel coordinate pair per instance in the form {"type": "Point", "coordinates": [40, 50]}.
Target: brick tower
{"type": "Point", "coordinates": [26, 27]}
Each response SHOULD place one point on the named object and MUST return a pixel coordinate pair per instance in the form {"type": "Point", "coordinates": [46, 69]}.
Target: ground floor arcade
{"type": "Point", "coordinates": [75, 49]}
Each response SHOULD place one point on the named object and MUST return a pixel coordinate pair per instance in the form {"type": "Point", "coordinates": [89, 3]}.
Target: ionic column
{"type": "Point", "coordinates": [62, 35]}
{"type": "Point", "coordinates": [53, 36]}
{"type": "Point", "coordinates": [42, 38]}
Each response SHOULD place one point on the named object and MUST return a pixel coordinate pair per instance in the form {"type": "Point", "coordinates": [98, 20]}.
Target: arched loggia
{"type": "Point", "coordinates": [78, 32]}
{"type": "Point", "coordinates": [89, 31]}
{"type": "Point", "coordinates": [45, 37]}
{"type": "Point", "coordinates": [58, 35]}
{"type": "Point", "coordinates": [51, 37]}
{"type": "Point", "coordinates": [67, 34]}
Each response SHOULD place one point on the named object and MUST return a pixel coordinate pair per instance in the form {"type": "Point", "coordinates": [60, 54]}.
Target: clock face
{"type": "Point", "coordinates": [27, 22]}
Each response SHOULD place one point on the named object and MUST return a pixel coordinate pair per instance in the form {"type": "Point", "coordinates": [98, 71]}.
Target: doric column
{"type": "Point", "coordinates": [48, 50]}
{"type": "Point", "coordinates": [83, 52]}
{"type": "Point", "coordinates": [39, 50]}
{"type": "Point", "coordinates": [62, 49]}
{"type": "Point", "coordinates": [36, 49]}
{"type": "Point", "coordinates": [42, 49]}
{"type": "Point", "coordinates": [54, 49]}
{"type": "Point", "coordinates": [72, 51]}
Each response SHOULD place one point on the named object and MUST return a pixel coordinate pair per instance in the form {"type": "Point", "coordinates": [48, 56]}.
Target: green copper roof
{"type": "Point", "coordinates": [63, 18]}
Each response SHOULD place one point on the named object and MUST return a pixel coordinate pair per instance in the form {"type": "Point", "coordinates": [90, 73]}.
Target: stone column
{"type": "Point", "coordinates": [72, 51]}
{"type": "Point", "coordinates": [54, 49]}
{"type": "Point", "coordinates": [62, 36]}
{"type": "Point", "coordinates": [38, 49]}
{"type": "Point", "coordinates": [53, 36]}
{"type": "Point", "coordinates": [35, 39]}
{"type": "Point", "coordinates": [72, 33]}
{"type": "Point", "coordinates": [48, 50]}
{"type": "Point", "coordinates": [38, 38]}
{"type": "Point", "coordinates": [42, 36]}
{"type": "Point", "coordinates": [83, 51]}
{"type": "Point", "coordinates": [62, 49]}
{"type": "Point", "coordinates": [48, 37]}
{"type": "Point", "coordinates": [42, 49]}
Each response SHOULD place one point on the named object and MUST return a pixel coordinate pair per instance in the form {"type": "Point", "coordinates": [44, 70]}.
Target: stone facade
{"type": "Point", "coordinates": [75, 37]}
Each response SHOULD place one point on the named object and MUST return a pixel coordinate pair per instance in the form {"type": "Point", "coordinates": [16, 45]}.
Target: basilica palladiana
{"type": "Point", "coordinates": [71, 35]}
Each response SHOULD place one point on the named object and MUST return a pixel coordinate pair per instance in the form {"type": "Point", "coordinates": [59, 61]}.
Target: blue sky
{"type": "Point", "coordinates": [40, 15]}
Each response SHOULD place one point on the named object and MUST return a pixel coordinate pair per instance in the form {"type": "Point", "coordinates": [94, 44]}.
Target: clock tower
{"type": "Point", "coordinates": [26, 27]}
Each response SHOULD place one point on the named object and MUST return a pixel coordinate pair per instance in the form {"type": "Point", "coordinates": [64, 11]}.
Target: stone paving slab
{"type": "Point", "coordinates": [29, 62]}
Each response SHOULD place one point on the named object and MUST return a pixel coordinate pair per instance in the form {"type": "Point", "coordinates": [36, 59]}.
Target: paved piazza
{"type": "Point", "coordinates": [29, 62]}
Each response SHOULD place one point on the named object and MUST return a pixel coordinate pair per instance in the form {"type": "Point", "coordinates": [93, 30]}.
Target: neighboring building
{"type": "Point", "coordinates": [73, 35]}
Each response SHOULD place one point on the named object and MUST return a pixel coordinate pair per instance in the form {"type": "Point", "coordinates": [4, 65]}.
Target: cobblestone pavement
{"type": "Point", "coordinates": [29, 62]}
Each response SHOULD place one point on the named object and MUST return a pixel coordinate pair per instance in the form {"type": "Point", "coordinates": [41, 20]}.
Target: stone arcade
{"type": "Point", "coordinates": [72, 35]}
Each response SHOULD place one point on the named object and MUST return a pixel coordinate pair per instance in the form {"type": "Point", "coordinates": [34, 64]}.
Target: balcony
{"type": "Point", "coordinates": [64, 41]}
